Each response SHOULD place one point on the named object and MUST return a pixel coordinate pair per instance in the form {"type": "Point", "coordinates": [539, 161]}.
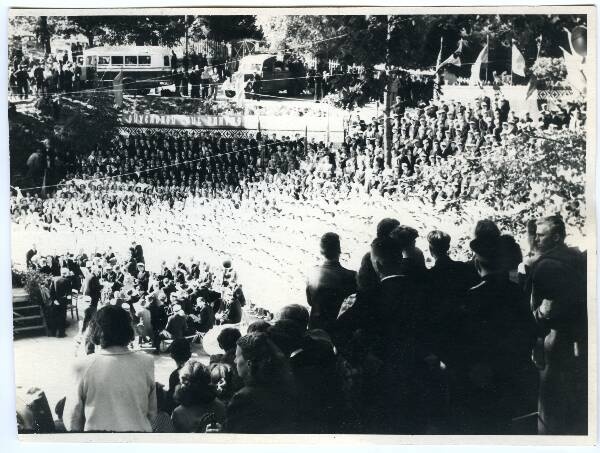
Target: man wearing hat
{"type": "Point", "coordinates": [495, 379]}
{"type": "Point", "coordinates": [328, 285]}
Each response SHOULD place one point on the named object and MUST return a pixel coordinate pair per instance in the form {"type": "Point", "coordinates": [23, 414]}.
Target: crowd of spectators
{"type": "Point", "coordinates": [185, 299]}
{"type": "Point", "coordinates": [42, 77]}
{"type": "Point", "coordinates": [453, 357]}
{"type": "Point", "coordinates": [394, 348]}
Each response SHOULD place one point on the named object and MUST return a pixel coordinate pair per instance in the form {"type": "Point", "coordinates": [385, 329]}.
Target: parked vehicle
{"type": "Point", "coordinates": [143, 67]}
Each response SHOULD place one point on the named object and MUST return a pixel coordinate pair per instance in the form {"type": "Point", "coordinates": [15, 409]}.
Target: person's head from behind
{"type": "Point", "coordinates": [386, 256]}
{"type": "Point", "coordinates": [386, 226]}
{"type": "Point", "coordinates": [487, 228]}
{"type": "Point", "coordinates": [287, 335]}
{"type": "Point", "coordinates": [330, 246]}
{"type": "Point", "coordinates": [195, 386]}
{"type": "Point", "coordinates": [510, 253]}
{"type": "Point", "coordinates": [405, 237]}
{"type": "Point", "coordinates": [439, 243]}
{"type": "Point", "coordinates": [296, 313]}
{"type": "Point", "coordinates": [228, 338]}
{"type": "Point", "coordinates": [259, 361]}
{"type": "Point", "coordinates": [259, 326]}
{"type": "Point", "coordinates": [550, 233]}
{"type": "Point", "coordinates": [487, 250]}
{"type": "Point", "coordinates": [180, 351]}
{"type": "Point", "coordinates": [111, 327]}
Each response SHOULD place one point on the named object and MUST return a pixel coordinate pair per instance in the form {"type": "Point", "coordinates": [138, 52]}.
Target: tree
{"type": "Point", "coordinates": [42, 32]}
{"type": "Point", "coordinates": [415, 39]}
{"type": "Point", "coordinates": [224, 28]}
{"type": "Point", "coordinates": [139, 30]}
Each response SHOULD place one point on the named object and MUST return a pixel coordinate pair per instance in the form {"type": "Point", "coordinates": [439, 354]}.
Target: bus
{"type": "Point", "coordinates": [144, 67]}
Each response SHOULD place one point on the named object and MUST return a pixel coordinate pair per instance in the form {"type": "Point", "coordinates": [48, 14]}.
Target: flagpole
{"type": "Point", "coordinates": [487, 62]}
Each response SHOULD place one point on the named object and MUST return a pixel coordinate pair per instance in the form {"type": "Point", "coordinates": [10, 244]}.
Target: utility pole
{"type": "Point", "coordinates": [387, 128]}
{"type": "Point", "coordinates": [186, 38]}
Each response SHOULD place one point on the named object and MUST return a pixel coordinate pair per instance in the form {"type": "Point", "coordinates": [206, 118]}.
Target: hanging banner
{"type": "Point", "coordinates": [154, 119]}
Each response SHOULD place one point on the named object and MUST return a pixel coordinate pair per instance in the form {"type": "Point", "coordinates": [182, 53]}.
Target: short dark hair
{"type": "Point", "coordinates": [180, 350]}
{"type": "Point", "coordinates": [404, 236]}
{"type": "Point", "coordinates": [439, 242]}
{"type": "Point", "coordinates": [228, 338]}
{"type": "Point", "coordinates": [195, 385]}
{"type": "Point", "coordinates": [268, 365]}
{"type": "Point", "coordinates": [330, 245]}
{"type": "Point", "coordinates": [112, 327]}
{"type": "Point", "coordinates": [259, 325]}
{"type": "Point", "coordinates": [386, 251]}
{"type": "Point", "coordinates": [297, 313]}
{"type": "Point", "coordinates": [556, 224]}
{"type": "Point", "coordinates": [386, 226]}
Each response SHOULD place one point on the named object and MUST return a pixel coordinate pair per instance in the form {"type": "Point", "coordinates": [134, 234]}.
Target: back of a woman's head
{"type": "Point", "coordinates": [111, 327]}
{"type": "Point", "coordinates": [267, 364]}
{"type": "Point", "coordinates": [195, 385]}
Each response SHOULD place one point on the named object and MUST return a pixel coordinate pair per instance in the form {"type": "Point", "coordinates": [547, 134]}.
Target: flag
{"type": "Point", "coordinates": [439, 57]}
{"type": "Point", "coordinates": [575, 74]}
{"type": "Point", "coordinates": [476, 68]}
{"type": "Point", "coordinates": [454, 58]}
{"type": "Point", "coordinates": [518, 61]}
{"type": "Point", "coordinates": [538, 42]}
{"type": "Point", "coordinates": [531, 86]}
{"type": "Point", "coordinates": [118, 87]}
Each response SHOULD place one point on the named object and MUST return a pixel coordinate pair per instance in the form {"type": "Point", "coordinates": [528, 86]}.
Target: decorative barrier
{"type": "Point", "coordinates": [329, 128]}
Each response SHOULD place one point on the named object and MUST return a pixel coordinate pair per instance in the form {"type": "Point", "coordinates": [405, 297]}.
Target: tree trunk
{"type": "Point", "coordinates": [90, 37]}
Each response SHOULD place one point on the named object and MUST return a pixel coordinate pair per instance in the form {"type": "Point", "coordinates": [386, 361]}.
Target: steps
{"type": "Point", "coordinates": [28, 318]}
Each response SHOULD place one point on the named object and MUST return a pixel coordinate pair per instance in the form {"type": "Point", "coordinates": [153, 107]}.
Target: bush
{"type": "Point", "coordinates": [32, 281]}
{"type": "Point", "coordinates": [550, 72]}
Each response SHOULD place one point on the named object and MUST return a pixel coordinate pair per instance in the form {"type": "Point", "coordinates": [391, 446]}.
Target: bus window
{"type": "Point", "coordinates": [116, 60]}
{"type": "Point", "coordinates": [130, 59]}
{"type": "Point", "coordinates": [103, 60]}
{"type": "Point", "coordinates": [144, 59]}
{"type": "Point", "coordinates": [166, 59]}
{"type": "Point", "coordinates": [90, 61]}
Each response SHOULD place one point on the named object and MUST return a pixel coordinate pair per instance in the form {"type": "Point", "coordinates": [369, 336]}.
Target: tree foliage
{"type": "Point", "coordinates": [415, 39]}
{"type": "Point", "coordinates": [224, 27]}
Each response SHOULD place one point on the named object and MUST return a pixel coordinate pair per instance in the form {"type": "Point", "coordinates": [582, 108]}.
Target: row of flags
{"type": "Point", "coordinates": [517, 60]}
{"type": "Point", "coordinates": [574, 63]}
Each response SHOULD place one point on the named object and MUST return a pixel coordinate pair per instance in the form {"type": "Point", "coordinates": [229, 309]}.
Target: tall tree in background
{"type": "Point", "coordinates": [225, 28]}
{"type": "Point", "coordinates": [414, 39]}
{"type": "Point", "coordinates": [43, 33]}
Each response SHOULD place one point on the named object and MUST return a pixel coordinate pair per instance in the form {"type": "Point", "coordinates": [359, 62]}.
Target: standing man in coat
{"type": "Point", "coordinates": [559, 304]}
{"type": "Point", "coordinates": [93, 289]}
{"type": "Point", "coordinates": [328, 285]}
{"type": "Point", "coordinates": [137, 252]}
{"type": "Point", "coordinates": [59, 293]}
{"type": "Point", "coordinates": [495, 378]}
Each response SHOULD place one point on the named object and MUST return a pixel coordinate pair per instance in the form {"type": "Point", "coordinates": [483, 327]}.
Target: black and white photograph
{"type": "Point", "coordinates": [348, 221]}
